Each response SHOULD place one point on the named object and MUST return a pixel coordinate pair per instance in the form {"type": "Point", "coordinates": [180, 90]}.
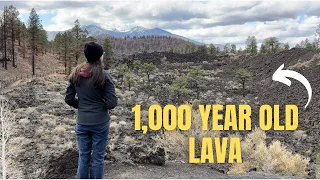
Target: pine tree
{"type": "Point", "coordinates": [128, 79]}
{"type": "Point", "coordinates": [263, 49]}
{"type": "Point", "coordinates": [272, 44]}
{"type": "Point", "coordinates": [286, 46]}
{"type": "Point", "coordinates": [233, 48]}
{"type": "Point", "coordinates": [212, 49]}
{"type": "Point", "coordinates": [227, 48]}
{"type": "Point", "coordinates": [79, 36]}
{"type": "Point", "coordinates": [242, 76]}
{"type": "Point", "coordinates": [57, 45]}
{"type": "Point", "coordinates": [308, 45]}
{"type": "Point", "coordinates": [122, 70]}
{"type": "Point", "coordinates": [196, 73]}
{"type": "Point", "coordinates": [147, 68]}
{"type": "Point", "coordinates": [42, 40]}
{"type": "Point", "coordinates": [178, 86]}
{"type": "Point", "coordinates": [252, 47]}
{"type": "Point", "coordinates": [5, 36]}
{"type": "Point", "coordinates": [67, 41]}
{"type": "Point", "coordinates": [202, 49]}
{"type": "Point", "coordinates": [24, 34]}
{"type": "Point", "coordinates": [34, 27]}
{"type": "Point", "coordinates": [107, 47]}
{"type": "Point", "coordinates": [13, 23]}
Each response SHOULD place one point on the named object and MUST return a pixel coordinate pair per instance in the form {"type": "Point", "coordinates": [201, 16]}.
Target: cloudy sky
{"type": "Point", "coordinates": [217, 22]}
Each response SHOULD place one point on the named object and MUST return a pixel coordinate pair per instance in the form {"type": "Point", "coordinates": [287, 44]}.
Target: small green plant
{"type": "Point", "coordinates": [196, 103]}
{"type": "Point", "coordinates": [128, 80]}
{"type": "Point", "coordinates": [147, 68]}
{"type": "Point", "coordinates": [136, 65]}
{"type": "Point", "coordinates": [195, 74]}
{"type": "Point", "coordinates": [242, 76]}
{"type": "Point", "coordinates": [122, 70]}
{"type": "Point", "coordinates": [179, 86]}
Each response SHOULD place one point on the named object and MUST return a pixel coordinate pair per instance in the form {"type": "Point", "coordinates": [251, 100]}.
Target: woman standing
{"type": "Point", "coordinates": [95, 96]}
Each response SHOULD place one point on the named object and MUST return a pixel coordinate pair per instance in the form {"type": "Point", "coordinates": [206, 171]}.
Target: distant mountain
{"type": "Point", "coordinates": [137, 31]}
{"type": "Point", "coordinates": [52, 34]}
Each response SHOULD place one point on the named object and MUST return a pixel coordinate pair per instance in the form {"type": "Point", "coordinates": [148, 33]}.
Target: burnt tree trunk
{"type": "Point", "coordinates": [12, 42]}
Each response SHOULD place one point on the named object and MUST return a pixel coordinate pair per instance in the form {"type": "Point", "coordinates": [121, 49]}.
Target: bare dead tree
{"type": "Point", "coordinates": [6, 118]}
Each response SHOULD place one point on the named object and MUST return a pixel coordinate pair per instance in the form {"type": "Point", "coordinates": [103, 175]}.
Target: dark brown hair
{"type": "Point", "coordinates": [97, 78]}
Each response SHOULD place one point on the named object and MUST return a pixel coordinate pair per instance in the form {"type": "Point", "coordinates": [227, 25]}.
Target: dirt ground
{"type": "Point", "coordinates": [173, 171]}
{"type": "Point", "coordinates": [65, 167]}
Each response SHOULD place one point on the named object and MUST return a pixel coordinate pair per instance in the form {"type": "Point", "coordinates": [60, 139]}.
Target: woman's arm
{"type": "Point", "coordinates": [109, 93]}
{"type": "Point", "coordinates": [70, 98]}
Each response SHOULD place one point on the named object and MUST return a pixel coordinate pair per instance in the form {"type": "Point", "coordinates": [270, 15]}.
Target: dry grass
{"type": "Point", "coordinates": [113, 117]}
{"type": "Point", "coordinates": [31, 110]}
{"type": "Point", "coordinates": [275, 158]}
{"type": "Point", "coordinates": [24, 121]}
{"type": "Point", "coordinates": [114, 126]}
{"type": "Point", "coordinates": [62, 146]}
{"type": "Point", "coordinates": [47, 116]}
{"type": "Point", "coordinates": [129, 140]}
{"type": "Point", "coordinates": [20, 141]}
{"type": "Point", "coordinates": [50, 122]}
{"type": "Point", "coordinates": [299, 134]}
{"type": "Point", "coordinates": [176, 142]}
{"type": "Point", "coordinates": [39, 132]}
{"type": "Point", "coordinates": [42, 147]}
{"type": "Point", "coordinates": [122, 123]}
{"type": "Point", "coordinates": [58, 101]}
{"type": "Point", "coordinates": [59, 130]}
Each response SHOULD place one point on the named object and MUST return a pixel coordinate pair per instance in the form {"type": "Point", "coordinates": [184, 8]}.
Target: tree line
{"type": "Point", "coordinates": [68, 46]}
{"type": "Point", "coordinates": [269, 45]}
{"type": "Point", "coordinates": [16, 34]}
{"type": "Point", "coordinates": [272, 44]}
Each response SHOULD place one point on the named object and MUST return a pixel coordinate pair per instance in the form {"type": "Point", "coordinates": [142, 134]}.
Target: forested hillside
{"type": "Point", "coordinates": [133, 45]}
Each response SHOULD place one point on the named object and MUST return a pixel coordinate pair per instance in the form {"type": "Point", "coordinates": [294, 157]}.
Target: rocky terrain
{"type": "Point", "coordinates": [43, 144]}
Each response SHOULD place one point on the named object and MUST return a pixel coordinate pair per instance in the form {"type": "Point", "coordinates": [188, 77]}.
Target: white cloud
{"type": "Point", "coordinates": [216, 22]}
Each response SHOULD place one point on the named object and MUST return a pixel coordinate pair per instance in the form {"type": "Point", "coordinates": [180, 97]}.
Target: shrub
{"type": "Point", "coordinates": [242, 76]}
{"type": "Point", "coordinates": [274, 158]}
{"type": "Point", "coordinates": [129, 140]}
{"type": "Point", "coordinates": [195, 104]}
{"type": "Point", "coordinates": [299, 134]}
{"type": "Point", "coordinates": [24, 121]}
{"type": "Point", "coordinates": [114, 126]}
{"type": "Point", "coordinates": [196, 73]}
{"type": "Point", "coordinates": [39, 132]}
{"type": "Point", "coordinates": [113, 117]}
{"type": "Point", "coordinates": [147, 68]}
{"type": "Point", "coordinates": [178, 86]}
{"type": "Point", "coordinates": [59, 130]}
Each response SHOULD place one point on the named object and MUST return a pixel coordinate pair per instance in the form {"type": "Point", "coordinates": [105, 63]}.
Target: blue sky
{"type": "Point", "coordinates": [46, 19]}
{"type": "Point", "coordinates": [301, 17]}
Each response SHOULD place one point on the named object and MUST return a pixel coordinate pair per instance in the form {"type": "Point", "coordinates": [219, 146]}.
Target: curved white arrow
{"type": "Point", "coordinates": [281, 76]}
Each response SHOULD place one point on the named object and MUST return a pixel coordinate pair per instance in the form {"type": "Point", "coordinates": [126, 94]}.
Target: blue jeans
{"type": "Point", "coordinates": [91, 138]}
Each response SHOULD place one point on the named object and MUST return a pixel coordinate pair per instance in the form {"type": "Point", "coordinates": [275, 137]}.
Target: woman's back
{"type": "Point", "coordinates": [92, 109]}
{"type": "Point", "coordinates": [95, 96]}
{"type": "Point", "coordinates": [94, 88]}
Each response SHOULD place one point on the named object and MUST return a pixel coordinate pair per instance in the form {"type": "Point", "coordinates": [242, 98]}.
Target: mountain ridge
{"type": "Point", "coordinates": [138, 31]}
